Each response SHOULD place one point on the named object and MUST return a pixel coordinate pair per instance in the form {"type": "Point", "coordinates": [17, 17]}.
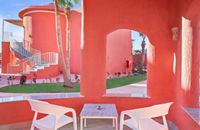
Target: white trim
{"type": "Point", "coordinates": [40, 11]}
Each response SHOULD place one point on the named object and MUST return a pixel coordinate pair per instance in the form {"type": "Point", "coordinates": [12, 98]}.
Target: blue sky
{"type": "Point", "coordinates": [138, 40]}
{"type": "Point", "coordinates": [9, 10]}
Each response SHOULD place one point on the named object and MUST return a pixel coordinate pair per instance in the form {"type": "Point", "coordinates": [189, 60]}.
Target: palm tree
{"type": "Point", "coordinates": [132, 47]}
{"type": "Point", "coordinates": [143, 41]}
{"type": "Point", "coordinates": [67, 4]}
{"type": "Point", "coordinates": [143, 48]}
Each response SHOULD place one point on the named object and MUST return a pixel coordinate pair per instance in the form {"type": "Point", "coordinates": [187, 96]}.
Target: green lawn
{"type": "Point", "coordinates": [118, 82]}
{"type": "Point", "coordinates": [58, 88]}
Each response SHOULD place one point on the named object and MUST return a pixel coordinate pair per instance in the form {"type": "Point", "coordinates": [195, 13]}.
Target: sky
{"type": "Point", "coordinates": [137, 40]}
{"type": "Point", "coordinates": [10, 9]}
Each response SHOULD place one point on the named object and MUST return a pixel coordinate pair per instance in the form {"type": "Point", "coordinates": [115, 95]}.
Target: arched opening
{"type": "Point", "coordinates": [126, 63]}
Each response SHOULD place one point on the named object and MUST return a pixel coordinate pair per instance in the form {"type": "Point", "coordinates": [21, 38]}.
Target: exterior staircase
{"type": "Point", "coordinates": [32, 60]}
{"type": "Point", "coordinates": [19, 50]}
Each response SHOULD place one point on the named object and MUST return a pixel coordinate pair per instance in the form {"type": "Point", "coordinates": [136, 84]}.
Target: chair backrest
{"type": "Point", "coordinates": [47, 108]}
{"type": "Point", "coordinates": [39, 106]}
{"type": "Point", "coordinates": [162, 109]}
{"type": "Point", "coordinates": [153, 111]}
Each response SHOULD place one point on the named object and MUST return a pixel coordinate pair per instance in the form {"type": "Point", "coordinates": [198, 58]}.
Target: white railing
{"type": "Point", "coordinates": [34, 63]}
{"type": "Point", "coordinates": [50, 58]}
{"type": "Point", "coordinates": [19, 48]}
{"type": "Point", "coordinates": [34, 51]}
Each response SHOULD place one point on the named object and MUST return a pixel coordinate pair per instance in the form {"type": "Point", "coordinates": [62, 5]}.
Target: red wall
{"type": "Point", "coordinates": [5, 56]}
{"type": "Point", "coordinates": [115, 19]}
{"type": "Point", "coordinates": [99, 21]}
{"type": "Point", "coordinates": [40, 32]}
{"type": "Point", "coordinates": [187, 92]}
{"type": "Point", "coordinates": [75, 34]}
{"type": "Point", "coordinates": [190, 11]}
{"type": "Point", "coordinates": [118, 50]}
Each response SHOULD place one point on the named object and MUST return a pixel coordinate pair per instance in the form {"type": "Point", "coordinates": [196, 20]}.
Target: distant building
{"type": "Point", "coordinates": [38, 52]}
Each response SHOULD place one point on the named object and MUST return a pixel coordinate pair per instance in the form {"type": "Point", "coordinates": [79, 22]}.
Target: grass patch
{"type": "Point", "coordinates": [58, 87]}
{"type": "Point", "coordinates": [118, 82]}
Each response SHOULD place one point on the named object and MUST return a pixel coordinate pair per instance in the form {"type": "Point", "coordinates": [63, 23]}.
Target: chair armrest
{"type": "Point", "coordinates": [60, 110]}
{"type": "Point", "coordinates": [130, 113]}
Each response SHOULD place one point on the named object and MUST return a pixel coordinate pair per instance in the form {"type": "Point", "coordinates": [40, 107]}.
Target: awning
{"type": "Point", "coordinates": [15, 22]}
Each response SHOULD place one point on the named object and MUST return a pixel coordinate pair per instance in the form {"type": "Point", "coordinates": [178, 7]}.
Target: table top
{"type": "Point", "coordinates": [99, 110]}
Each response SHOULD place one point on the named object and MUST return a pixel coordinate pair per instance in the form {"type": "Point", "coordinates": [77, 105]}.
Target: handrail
{"type": "Point", "coordinates": [29, 58]}
{"type": "Point", "coordinates": [19, 48]}
{"type": "Point", "coordinates": [34, 51]}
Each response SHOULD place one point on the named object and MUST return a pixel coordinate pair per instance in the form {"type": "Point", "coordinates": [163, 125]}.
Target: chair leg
{"type": "Point", "coordinates": [85, 122]}
{"type": "Point", "coordinates": [74, 120]}
{"type": "Point", "coordinates": [32, 127]}
{"type": "Point", "coordinates": [121, 126]}
{"type": "Point", "coordinates": [116, 124]}
{"type": "Point", "coordinates": [75, 124]}
{"type": "Point", "coordinates": [113, 122]}
{"type": "Point", "coordinates": [81, 123]}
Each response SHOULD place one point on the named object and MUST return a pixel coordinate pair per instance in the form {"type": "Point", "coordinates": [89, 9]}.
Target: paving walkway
{"type": "Point", "coordinates": [135, 90]}
{"type": "Point", "coordinates": [92, 124]}
{"type": "Point", "coordinates": [10, 97]}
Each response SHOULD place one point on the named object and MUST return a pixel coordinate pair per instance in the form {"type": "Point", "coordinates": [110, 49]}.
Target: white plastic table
{"type": "Point", "coordinates": [105, 111]}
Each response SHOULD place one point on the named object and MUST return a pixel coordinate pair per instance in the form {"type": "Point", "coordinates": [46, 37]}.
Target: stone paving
{"type": "Point", "coordinates": [93, 124]}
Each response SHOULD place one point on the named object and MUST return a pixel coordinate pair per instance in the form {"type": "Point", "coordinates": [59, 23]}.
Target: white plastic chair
{"type": "Point", "coordinates": [55, 117]}
{"type": "Point", "coordinates": [141, 119]}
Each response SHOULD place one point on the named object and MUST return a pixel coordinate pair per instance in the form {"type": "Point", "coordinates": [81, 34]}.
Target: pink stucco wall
{"type": "Point", "coordinates": [40, 34]}
{"type": "Point", "coordinates": [5, 56]}
{"type": "Point", "coordinates": [118, 50]}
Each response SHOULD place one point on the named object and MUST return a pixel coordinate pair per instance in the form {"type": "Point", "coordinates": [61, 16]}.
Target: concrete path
{"type": "Point", "coordinates": [135, 90]}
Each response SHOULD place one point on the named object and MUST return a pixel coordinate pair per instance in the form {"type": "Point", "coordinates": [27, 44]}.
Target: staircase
{"type": "Point", "coordinates": [32, 61]}
{"type": "Point", "coordinates": [19, 50]}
